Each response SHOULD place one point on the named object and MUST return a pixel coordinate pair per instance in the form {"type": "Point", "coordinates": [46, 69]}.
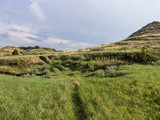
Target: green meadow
{"type": "Point", "coordinates": [109, 82]}
{"type": "Point", "coordinates": [132, 92]}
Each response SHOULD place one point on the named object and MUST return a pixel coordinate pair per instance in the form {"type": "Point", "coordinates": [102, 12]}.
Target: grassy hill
{"type": "Point", "coordinates": [109, 82]}
{"type": "Point", "coordinates": [148, 36]}
{"type": "Point", "coordinates": [8, 50]}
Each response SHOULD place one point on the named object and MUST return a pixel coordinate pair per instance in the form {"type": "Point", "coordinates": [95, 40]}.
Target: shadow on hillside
{"type": "Point", "coordinates": [117, 74]}
{"type": "Point", "coordinates": [111, 75]}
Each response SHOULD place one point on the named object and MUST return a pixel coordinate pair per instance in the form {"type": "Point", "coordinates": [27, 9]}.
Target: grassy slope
{"type": "Point", "coordinates": [148, 36]}
{"type": "Point", "coordinates": [133, 95]}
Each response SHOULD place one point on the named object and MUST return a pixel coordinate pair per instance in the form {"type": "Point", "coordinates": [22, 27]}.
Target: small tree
{"type": "Point", "coordinates": [37, 47]}
{"type": "Point", "coordinates": [144, 56]}
{"type": "Point", "coordinates": [15, 52]}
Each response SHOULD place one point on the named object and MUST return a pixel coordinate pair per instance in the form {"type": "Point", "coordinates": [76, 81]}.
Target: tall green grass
{"type": "Point", "coordinates": [131, 93]}
{"type": "Point", "coordinates": [35, 98]}
{"type": "Point", "coordinates": [134, 96]}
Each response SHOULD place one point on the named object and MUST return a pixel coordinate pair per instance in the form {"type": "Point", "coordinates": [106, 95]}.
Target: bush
{"type": "Point", "coordinates": [144, 56]}
{"type": "Point", "coordinates": [55, 70]}
{"type": "Point", "coordinates": [96, 49]}
{"type": "Point", "coordinates": [124, 48]}
{"type": "Point", "coordinates": [60, 67]}
{"type": "Point", "coordinates": [116, 74]}
{"type": "Point", "coordinates": [91, 67]}
{"type": "Point", "coordinates": [111, 69]}
{"type": "Point", "coordinates": [45, 59]}
{"type": "Point", "coordinates": [100, 73]}
{"type": "Point", "coordinates": [58, 64]}
{"type": "Point", "coordinates": [64, 57]}
{"type": "Point", "coordinates": [15, 52]}
{"type": "Point", "coordinates": [68, 62]}
{"type": "Point", "coordinates": [37, 47]}
{"type": "Point", "coordinates": [77, 57]}
{"type": "Point", "coordinates": [53, 57]}
{"type": "Point", "coordinates": [157, 63]}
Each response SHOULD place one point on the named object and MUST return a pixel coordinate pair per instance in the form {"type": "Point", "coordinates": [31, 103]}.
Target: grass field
{"type": "Point", "coordinates": [133, 92]}
{"type": "Point", "coordinates": [116, 81]}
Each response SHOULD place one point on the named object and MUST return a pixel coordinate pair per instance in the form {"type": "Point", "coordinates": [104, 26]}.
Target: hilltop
{"type": "Point", "coordinates": [147, 36]}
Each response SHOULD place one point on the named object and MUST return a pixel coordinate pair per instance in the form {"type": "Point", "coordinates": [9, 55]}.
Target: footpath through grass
{"type": "Point", "coordinates": [130, 93]}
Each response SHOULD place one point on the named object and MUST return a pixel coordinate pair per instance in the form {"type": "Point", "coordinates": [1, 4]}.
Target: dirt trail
{"type": "Point", "coordinates": [79, 106]}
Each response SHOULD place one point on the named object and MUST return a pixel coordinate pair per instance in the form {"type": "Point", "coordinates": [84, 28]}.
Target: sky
{"type": "Point", "coordinates": [72, 24]}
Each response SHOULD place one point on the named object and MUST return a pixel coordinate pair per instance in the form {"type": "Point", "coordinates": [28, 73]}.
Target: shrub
{"type": "Point", "coordinates": [15, 52]}
{"type": "Point", "coordinates": [53, 57]}
{"type": "Point", "coordinates": [96, 49]}
{"type": "Point", "coordinates": [37, 47]}
{"type": "Point", "coordinates": [100, 73]}
{"type": "Point", "coordinates": [58, 64]}
{"type": "Point", "coordinates": [111, 69]}
{"type": "Point", "coordinates": [55, 70]}
{"type": "Point", "coordinates": [77, 57]}
{"type": "Point", "coordinates": [116, 74]}
{"type": "Point", "coordinates": [143, 55]}
{"type": "Point", "coordinates": [60, 67]}
{"type": "Point", "coordinates": [38, 70]}
{"type": "Point", "coordinates": [68, 62]}
{"type": "Point", "coordinates": [45, 59]}
{"type": "Point", "coordinates": [76, 65]}
{"type": "Point", "coordinates": [64, 57]}
{"type": "Point", "coordinates": [26, 75]}
{"type": "Point", "coordinates": [47, 75]}
{"type": "Point", "coordinates": [124, 48]}
{"type": "Point", "coordinates": [157, 63]}
{"type": "Point", "coordinates": [91, 67]}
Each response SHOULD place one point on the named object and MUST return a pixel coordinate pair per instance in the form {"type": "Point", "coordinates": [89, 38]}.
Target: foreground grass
{"type": "Point", "coordinates": [135, 95]}
{"type": "Point", "coordinates": [131, 93]}
{"type": "Point", "coordinates": [34, 98]}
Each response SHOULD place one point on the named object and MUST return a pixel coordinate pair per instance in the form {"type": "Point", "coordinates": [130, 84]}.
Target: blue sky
{"type": "Point", "coordinates": [72, 24]}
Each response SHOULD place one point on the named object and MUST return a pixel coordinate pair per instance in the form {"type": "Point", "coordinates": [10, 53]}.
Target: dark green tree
{"type": "Point", "coordinates": [15, 52]}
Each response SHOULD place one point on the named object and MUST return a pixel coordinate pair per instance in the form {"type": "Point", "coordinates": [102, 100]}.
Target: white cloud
{"type": "Point", "coordinates": [53, 41]}
{"type": "Point", "coordinates": [43, 1]}
{"type": "Point", "coordinates": [16, 35]}
{"type": "Point", "coordinates": [63, 44]}
{"type": "Point", "coordinates": [12, 34]}
{"type": "Point", "coordinates": [36, 11]}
